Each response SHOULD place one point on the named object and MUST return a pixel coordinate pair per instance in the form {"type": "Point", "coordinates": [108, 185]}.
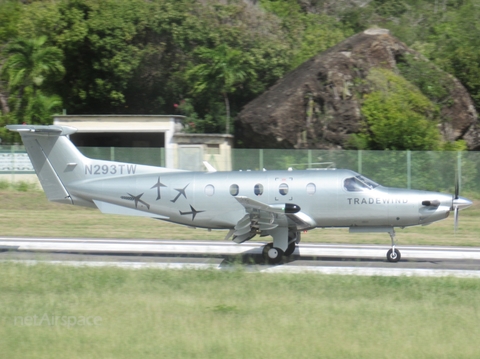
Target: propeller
{"type": "Point", "coordinates": [458, 202]}
{"type": "Point", "coordinates": [455, 204]}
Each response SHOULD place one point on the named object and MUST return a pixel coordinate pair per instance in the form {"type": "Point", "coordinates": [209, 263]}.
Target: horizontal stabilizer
{"type": "Point", "coordinates": [109, 208]}
{"type": "Point", "coordinates": [40, 129]}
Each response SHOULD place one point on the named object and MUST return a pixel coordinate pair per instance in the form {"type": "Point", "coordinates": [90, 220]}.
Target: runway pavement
{"type": "Point", "coordinates": [308, 257]}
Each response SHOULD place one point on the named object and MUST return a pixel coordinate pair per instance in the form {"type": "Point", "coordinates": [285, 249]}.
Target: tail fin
{"type": "Point", "coordinates": [53, 157]}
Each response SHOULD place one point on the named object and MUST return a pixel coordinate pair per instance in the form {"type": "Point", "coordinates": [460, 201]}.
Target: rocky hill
{"type": "Point", "coordinates": [318, 105]}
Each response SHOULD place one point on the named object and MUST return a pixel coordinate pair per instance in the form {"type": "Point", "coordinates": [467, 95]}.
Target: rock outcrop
{"type": "Point", "coordinates": [318, 105]}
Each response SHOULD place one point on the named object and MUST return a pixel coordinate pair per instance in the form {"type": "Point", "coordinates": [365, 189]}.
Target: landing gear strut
{"type": "Point", "coordinates": [393, 254]}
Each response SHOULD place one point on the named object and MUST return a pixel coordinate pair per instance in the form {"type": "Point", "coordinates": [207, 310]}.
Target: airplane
{"type": "Point", "coordinates": [280, 203]}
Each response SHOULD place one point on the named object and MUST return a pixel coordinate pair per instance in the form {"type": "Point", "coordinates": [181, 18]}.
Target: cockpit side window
{"type": "Point", "coordinates": [352, 185]}
{"type": "Point", "coordinates": [358, 184]}
{"type": "Point", "coordinates": [371, 184]}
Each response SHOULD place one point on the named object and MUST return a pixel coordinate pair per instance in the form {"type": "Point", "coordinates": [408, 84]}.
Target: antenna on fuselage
{"type": "Point", "coordinates": [209, 167]}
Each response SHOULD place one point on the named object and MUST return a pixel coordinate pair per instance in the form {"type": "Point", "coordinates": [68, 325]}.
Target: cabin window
{"type": "Point", "coordinates": [311, 189]}
{"type": "Point", "coordinates": [283, 189]}
{"type": "Point", "coordinates": [209, 190]}
{"type": "Point", "coordinates": [234, 189]}
{"type": "Point", "coordinates": [258, 189]}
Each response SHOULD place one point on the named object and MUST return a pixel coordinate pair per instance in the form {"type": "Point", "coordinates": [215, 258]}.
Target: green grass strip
{"type": "Point", "coordinates": [49, 311]}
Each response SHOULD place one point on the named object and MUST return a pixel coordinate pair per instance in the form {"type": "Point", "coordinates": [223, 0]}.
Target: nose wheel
{"type": "Point", "coordinates": [393, 254]}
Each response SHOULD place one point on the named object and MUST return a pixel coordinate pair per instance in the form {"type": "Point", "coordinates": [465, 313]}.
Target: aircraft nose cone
{"type": "Point", "coordinates": [461, 203]}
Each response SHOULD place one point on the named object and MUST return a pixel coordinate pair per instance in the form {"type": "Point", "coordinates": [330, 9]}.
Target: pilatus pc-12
{"type": "Point", "coordinates": [280, 204]}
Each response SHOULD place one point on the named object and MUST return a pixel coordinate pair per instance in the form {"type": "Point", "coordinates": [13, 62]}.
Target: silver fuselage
{"type": "Point", "coordinates": [319, 193]}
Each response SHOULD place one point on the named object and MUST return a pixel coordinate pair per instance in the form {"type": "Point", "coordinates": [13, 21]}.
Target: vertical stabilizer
{"type": "Point", "coordinates": [53, 157]}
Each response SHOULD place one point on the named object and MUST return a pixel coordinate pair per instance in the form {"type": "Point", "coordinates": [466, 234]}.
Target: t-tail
{"type": "Point", "coordinates": [58, 163]}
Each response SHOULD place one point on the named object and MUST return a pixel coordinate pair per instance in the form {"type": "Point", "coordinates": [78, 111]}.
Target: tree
{"type": "Point", "coordinates": [222, 70]}
{"type": "Point", "coordinates": [9, 17]}
{"type": "Point", "coordinates": [397, 116]}
{"type": "Point", "coordinates": [30, 63]}
{"type": "Point", "coordinates": [40, 107]}
{"type": "Point", "coordinates": [457, 49]}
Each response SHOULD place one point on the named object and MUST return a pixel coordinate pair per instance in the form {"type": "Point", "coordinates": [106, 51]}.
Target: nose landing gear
{"type": "Point", "coordinates": [393, 254]}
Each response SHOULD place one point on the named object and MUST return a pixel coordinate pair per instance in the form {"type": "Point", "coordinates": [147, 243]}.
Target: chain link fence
{"type": "Point", "coordinates": [433, 171]}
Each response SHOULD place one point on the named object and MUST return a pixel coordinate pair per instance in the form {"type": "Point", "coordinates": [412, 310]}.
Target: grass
{"type": "Point", "coordinates": [55, 311]}
{"type": "Point", "coordinates": [219, 314]}
{"type": "Point", "coordinates": [28, 213]}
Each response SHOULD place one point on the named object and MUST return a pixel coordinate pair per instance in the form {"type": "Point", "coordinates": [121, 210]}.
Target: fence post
{"type": "Point", "coordinates": [112, 153]}
{"type": "Point", "coordinates": [459, 169]}
{"type": "Point", "coordinates": [260, 158]}
{"type": "Point", "coordinates": [12, 152]}
{"type": "Point", "coordinates": [409, 169]}
{"type": "Point", "coordinates": [359, 152]}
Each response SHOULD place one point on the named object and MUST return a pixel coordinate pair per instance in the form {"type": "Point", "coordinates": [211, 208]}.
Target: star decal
{"type": "Point", "coordinates": [157, 186]}
{"type": "Point", "coordinates": [137, 199]}
{"type": "Point", "coordinates": [193, 212]}
{"type": "Point", "coordinates": [180, 192]}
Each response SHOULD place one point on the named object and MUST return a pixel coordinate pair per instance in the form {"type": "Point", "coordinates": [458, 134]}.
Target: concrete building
{"type": "Point", "coordinates": [181, 150]}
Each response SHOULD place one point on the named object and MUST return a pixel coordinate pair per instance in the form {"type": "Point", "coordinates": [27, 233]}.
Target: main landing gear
{"type": "Point", "coordinates": [271, 254]}
{"type": "Point", "coordinates": [274, 255]}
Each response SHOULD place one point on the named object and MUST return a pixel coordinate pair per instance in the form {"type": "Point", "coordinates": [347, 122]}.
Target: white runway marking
{"type": "Point", "coordinates": [88, 245]}
{"type": "Point", "coordinates": [305, 252]}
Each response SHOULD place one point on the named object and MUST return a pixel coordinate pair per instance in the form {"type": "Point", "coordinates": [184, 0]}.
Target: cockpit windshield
{"type": "Point", "coordinates": [358, 184]}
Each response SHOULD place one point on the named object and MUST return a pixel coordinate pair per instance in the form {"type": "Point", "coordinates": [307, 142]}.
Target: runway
{"type": "Point", "coordinates": [308, 257]}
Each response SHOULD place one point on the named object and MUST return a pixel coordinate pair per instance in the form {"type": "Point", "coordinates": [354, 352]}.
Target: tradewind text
{"type": "Point", "coordinates": [377, 200]}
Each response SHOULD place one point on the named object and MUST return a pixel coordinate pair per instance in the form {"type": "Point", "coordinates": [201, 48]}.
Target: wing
{"type": "Point", "coordinates": [263, 219]}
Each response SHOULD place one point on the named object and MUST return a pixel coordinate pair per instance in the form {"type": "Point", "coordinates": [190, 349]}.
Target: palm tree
{"type": "Point", "coordinates": [29, 63]}
{"type": "Point", "coordinates": [222, 70]}
{"type": "Point", "coordinates": [40, 107]}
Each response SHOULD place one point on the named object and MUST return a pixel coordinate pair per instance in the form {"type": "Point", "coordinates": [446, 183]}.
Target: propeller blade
{"type": "Point", "coordinates": [454, 200]}
{"type": "Point", "coordinates": [457, 186]}
{"type": "Point", "coordinates": [455, 220]}
{"type": "Point", "coordinates": [458, 203]}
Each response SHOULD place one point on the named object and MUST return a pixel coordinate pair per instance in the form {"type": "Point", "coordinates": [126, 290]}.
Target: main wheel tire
{"type": "Point", "coordinates": [290, 249]}
{"type": "Point", "coordinates": [265, 250]}
{"type": "Point", "coordinates": [392, 256]}
{"type": "Point", "coordinates": [274, 255]}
